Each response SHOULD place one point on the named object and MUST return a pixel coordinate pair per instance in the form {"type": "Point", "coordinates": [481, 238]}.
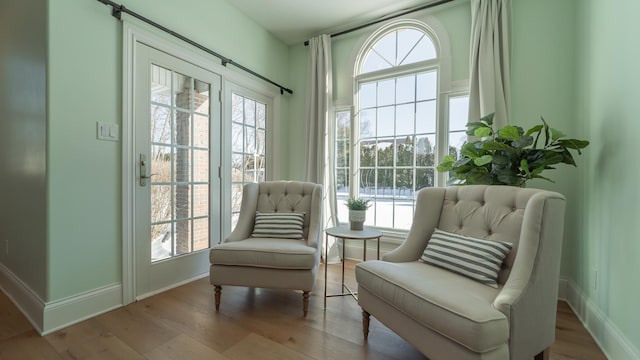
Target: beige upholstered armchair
{"type": "Point", "coordinates": [272, 245]}
{"type": "Point", "coordinates": [445, 315]}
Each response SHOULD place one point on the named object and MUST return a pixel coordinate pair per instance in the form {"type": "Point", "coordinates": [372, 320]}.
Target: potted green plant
{"type": "Point", "coordinates": [509, 156]}
{"type": "Point", "coordinates": [357, 212]}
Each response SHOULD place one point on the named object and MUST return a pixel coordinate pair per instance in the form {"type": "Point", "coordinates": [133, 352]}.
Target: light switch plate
{"type": "Point", "coordinates": [107, 131]}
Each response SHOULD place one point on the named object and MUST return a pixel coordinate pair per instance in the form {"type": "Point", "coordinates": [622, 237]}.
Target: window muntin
{"type": "Point", "coordinates": [248, 147]}
{"type": "Point", "coordinates": [399, 47]}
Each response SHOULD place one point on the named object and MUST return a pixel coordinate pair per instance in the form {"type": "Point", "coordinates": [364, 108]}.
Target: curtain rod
{"type": "Point", "coordinates": [118, 9]}
{"type": "Point", "coordinates": [385, 18]}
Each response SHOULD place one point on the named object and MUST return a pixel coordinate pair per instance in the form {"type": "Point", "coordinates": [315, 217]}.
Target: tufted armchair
{"type": "Point", "coordinates": [448, 316]}
{"type": "Point", "coordinates": [271, 262]}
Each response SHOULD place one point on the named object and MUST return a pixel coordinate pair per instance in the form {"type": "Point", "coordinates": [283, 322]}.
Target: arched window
{"type": "Point", "coordinates": [397, 128]}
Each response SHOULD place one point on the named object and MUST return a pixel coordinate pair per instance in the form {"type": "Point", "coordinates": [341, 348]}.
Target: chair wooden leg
{"type": "Point", "coordinates": [218, 291]}
{"type": "Point", "coordinates": [365, 324]}
{"type": "Point", "coordinates": [544, 355]}
{"type": "Point", "coordinates": [305, 303]}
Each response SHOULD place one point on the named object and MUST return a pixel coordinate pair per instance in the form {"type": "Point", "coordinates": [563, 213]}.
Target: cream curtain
{"type": "Point", "coordinates": [490, 73]}
{"type": "Point", "coordinates": [319, 140]}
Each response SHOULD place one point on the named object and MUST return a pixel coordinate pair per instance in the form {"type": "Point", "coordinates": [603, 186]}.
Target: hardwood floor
{"type": "Point", "coordinates": [252, 324]}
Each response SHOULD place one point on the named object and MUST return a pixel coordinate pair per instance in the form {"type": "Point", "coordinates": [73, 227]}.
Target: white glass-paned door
{"type": "Point", "coordinates": [177, 196]}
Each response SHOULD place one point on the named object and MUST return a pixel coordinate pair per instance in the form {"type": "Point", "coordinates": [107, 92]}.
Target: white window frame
{"type": "Point", "coordinates": [231, 88]}
{"type": "Point", "coordinates": [445, 88]}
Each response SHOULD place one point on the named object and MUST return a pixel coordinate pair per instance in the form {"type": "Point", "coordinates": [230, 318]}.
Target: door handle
{"type": "Point", "coordinates": [143, 170]}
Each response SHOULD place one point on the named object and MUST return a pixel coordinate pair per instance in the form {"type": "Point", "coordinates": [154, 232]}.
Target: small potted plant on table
{"type": "Point", "coordinates": [357, 212]}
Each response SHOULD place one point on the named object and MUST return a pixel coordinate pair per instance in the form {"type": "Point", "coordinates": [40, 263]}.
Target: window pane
{"type": "Point", "coordinates": [374, 62]}
{"type": "Point", "coordinates": [425, 150]}
{"type": "Point", "coordinates": [406, 89]}
{"type": "Point", "coordinates": [342, 153]}
{"type": "Point", "coordinates": [385, 183]}
{"type": "Point", "coordinates": [201, 97]}
{"type": "Point", "coordinates": [456, 140]}
{"type": "Point", "coordinates": [261, 115]}
{"type": "Point", "coordinates": [201, 131]}
{"type": "Point", "coordinates": [424, 178]}
{"type": "Point", "coordinates": [404, 119]}
{"type": "Point", "coordinates": [160, 85]}
{"type": "Point", "coordinates": [182, 128]}
{"type": "Point", "coordinates": [249, 140]}
{"type": "Point", "coordinates": [160, 164]}
{"type": "Point", "coordinates": [404, 183]}
{"type": "Point", "coordinates": [384, 212]}
{"type": "Point", "coordinates": [367, 123]}
{"type": "Point", "coordinates": [426, 117]}
{"type": "Point", "coordinates": [200, 234]}
{"type": "Point", "coordinates": [407, 40]}
{"type": "Point", "coordinates": [260, 142]}
{"type": "Point", "coordinates": [403, 214]}
{"type": "Point", "coordinates": [160, 124]}
{"type": "Point", "coordinates": [342, 182]}
{"type": "Point", "coordinates": [367, 153]}
{"type": "Point", "coordinates": [386, 48]}
{"type": "Point", "coordinates": [368, 95]}
{"type": "Point", "coordinates": [367, 182]}
{"type": "Point", "coordinates": [249, 112]}
{"type": "Point", "coordinates": [182, 165]}
{"type": "Point", "coordinates": [343, 125]}
{"type": "Point", "coordinates": [427, 86]}
{"type": "Point", "coordinates": [386, 92]}
{"type": "Point", "coordinates": [425, 50]}
{"type": "Point", "coordinates": [160, 203]}
{"type": "Point", "coordinates": [182, 91]}
{"type": "Point", "coordinates": [200, 200]}
{"type": "Point", "coordinates": [200, 165]}
{"type": "Point", "coordinates": [237, 138]}
{"type": "Point", "coordinates": [385, 152]}
{"type": "Point", "coordinates": [458, 113]}
{"type": "Point", "coordinates": [183, 237]}
{"type": "Point", "coordinates": [237, 108]}
{"type": "Point", "coordinates": [237, 167]}
{"type": "Point", "coordinates": [161, 241]}
{"type": "Point", "coordinates": [404, 151]}
{"type": "Point", "coordinates": [386, 117]}
{"type": "Point", "coordinates": [182, 201]}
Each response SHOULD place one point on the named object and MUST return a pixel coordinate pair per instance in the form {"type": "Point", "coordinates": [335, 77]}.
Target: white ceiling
{"type": "Point", "coordinates": [294, 21]}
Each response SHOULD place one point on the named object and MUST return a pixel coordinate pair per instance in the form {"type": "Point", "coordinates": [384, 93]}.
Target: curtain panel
{"type": "Point", "coordinates": [320, 132]}
{"type": "Point", "coordinates": [490, 57]}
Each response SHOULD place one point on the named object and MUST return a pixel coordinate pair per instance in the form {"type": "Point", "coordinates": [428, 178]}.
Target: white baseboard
{"type": "Point", "coordinates": [74, 309]}
{"type": "Point", "coordinates": [49, 317]}
{"type": "Point", "coordinates": [606, 334]}
{"type": "Point", "coordinates": [25, 299]}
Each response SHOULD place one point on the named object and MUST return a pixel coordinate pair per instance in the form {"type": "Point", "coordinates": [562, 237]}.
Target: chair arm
{"type": "Point", "coordinates": [315, 218]}
{"type": "Point", "coordinates": [425, 220]}
{"type": "Point", "coordinates": [529, 296]}
{"type": "Point", "coordinates": [247, 217]}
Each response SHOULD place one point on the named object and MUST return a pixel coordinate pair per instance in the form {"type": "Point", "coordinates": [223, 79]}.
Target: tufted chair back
{"type": "Point", "coordinates": [287, 196]}
{"type": "Point", "coordinates": [488, 212]}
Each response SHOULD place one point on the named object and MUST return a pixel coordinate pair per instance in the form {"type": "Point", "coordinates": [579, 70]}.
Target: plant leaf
{"type": "Point", "coordinates": [488, 119]}
{"type": "Point", "coordinates": [522, 142]}
{"type": "Point", "coordinates": [509, 132]}
{"type": "Point", "coordinates": [495, 145]}
{"type": "Point", "coordinates": [556, 134]}
{"type": "Point", "coordinates": [524, 165]}
{"type": "Point", "coordinates": [546, 132]}
{"type": "Point", "coordinates": [483, 160]}
{"type": "Point", "coordinates": [534, 129]}
{"type": "Point", "coordinates": [482, 132]}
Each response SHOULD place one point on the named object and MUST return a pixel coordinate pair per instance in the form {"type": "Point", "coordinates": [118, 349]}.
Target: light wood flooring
{"type": "Point", "coordinates": [252, 324]}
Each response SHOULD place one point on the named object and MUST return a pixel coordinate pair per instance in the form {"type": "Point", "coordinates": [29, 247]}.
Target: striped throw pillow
{"type": "Point", "coordinates": [476, 259]}
{"type": "Point", "coordinates": [281, 225]}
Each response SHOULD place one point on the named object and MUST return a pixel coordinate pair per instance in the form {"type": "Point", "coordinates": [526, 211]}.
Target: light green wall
{"type": "Point", "coordinates": [23, 56]}
{"type": "Point", "coordinates": [85, 86]}
{"type": "Point", "coordinates": [544, 85]}
{"type": "Point", "coordinates": [608, 109]}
